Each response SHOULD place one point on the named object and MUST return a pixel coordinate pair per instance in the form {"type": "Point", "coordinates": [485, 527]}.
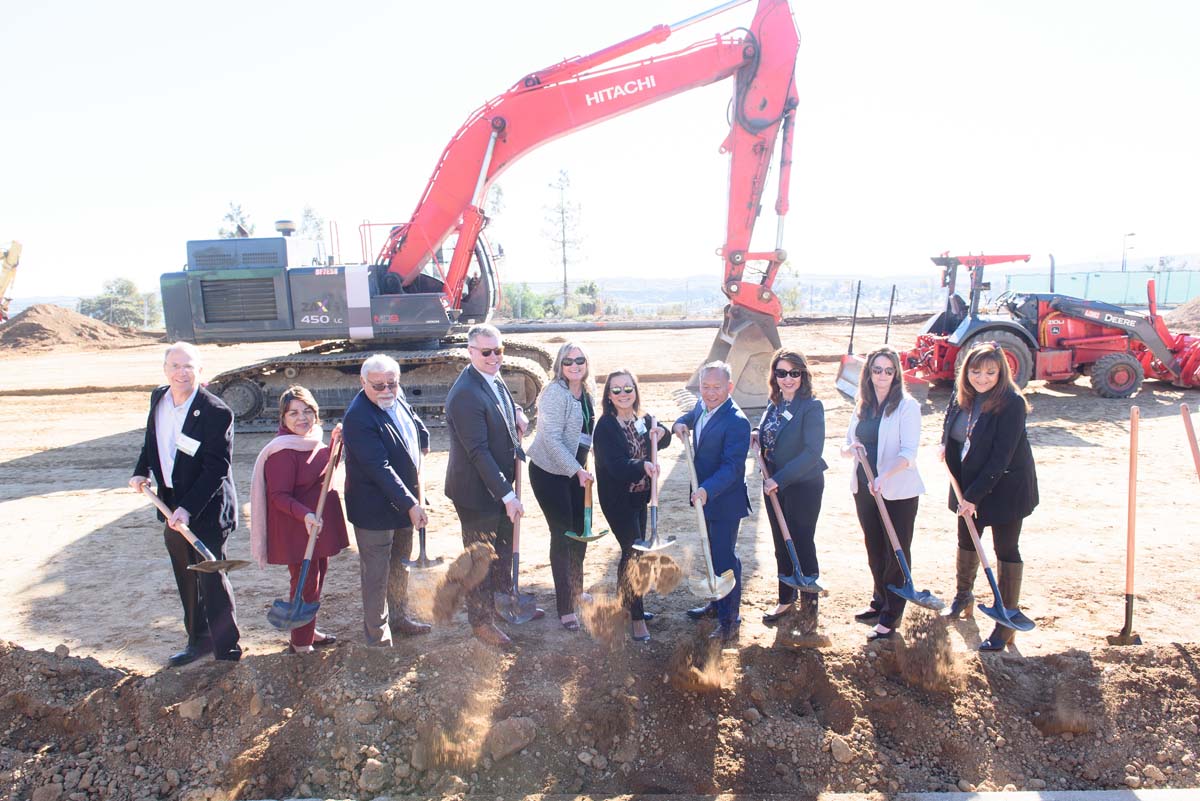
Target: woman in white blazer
{"type": "Point", "coordinates": [886, 428]}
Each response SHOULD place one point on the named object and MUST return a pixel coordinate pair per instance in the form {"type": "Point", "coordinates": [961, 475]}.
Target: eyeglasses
{"type": "Point", "coordinates": [382, 387]}
{"type": "Point", "coordinates": [883, 370]}
{"type": "Point", "coordinates": [619, 390]}
{"type": "Point", "coordinates": [788, 373]}
{"type": "Point", "coordinates": [304, 413]}
{"type": "Point", "coordinates": [487, 352]}
{"type": "Point", "coordinates": [567, 362]}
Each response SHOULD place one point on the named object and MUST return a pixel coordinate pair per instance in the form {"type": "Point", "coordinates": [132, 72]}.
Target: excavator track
{"type": "Point", "coordinates": [331, 372]}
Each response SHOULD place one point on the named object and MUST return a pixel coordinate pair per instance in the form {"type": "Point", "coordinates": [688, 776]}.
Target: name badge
{"type": "Point", "coordinates": [585, 440]}
{"type": "Point", "coordinates": [640, 426]}
{"type": "Point", "coordinates": [187, 445]}
{"type": "Point", "coordinates": [786, 415]}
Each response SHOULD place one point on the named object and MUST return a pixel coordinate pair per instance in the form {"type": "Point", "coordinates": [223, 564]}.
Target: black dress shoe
{"type": "Point", "coordinates": [876, 634]}
{"type": "Point", "coordinates": [647, 616]}
{"type": "Point", "coordinates": [701, 612]}
{"type": "Point", "coordinates": [538, 613]}
{"type": "Point", "coordinates": [868, 615]}
{"type": "Point", "coordinates": [188, 655]}
{"type": "Point", "coordinates": [772, 617]}
{"type": "Point", "coordinates": [328, 641]}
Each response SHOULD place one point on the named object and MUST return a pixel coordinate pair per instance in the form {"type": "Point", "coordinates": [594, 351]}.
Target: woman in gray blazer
{"type": "Point", "coordinates": [558, 471]}
{"type": "Point", "coordinates": [886, 428]}
{"type": "Point", "coordinates": [790, 437]}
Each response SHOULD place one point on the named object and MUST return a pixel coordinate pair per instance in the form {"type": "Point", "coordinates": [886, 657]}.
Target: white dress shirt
{"type": "Point", "coordinates": [168, 425]}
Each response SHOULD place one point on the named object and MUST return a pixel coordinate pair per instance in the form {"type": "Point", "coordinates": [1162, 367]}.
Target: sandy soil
{"type": "Point", "coordinates": [84, 567]}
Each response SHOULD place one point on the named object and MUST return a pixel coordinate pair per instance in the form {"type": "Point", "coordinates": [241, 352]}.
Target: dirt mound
{"type": "Point", "coordinates": [357, 722]}
{"type": "Point", "coordinates": [46, 326]}
{"type": "Point", "coordinates": [1185, 318]}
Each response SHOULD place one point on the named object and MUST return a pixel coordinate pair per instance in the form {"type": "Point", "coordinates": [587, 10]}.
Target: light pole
{"type": "Point", "coordinates": [1125, 250]}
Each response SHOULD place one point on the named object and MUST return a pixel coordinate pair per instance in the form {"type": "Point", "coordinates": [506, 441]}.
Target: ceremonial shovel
{"type": "Point", "coordinates": [287, 615]}
{"type": "Point", "coordinates": [587, 535]}
{"type": "Point", "coordinates": [797, 578]}
{"type": "Point", "coordinates": [422, 562]}
{"type": "Point", "coordinates": [211, 563]}
{"type": "Point", "coordinates": [923, 598]}
{"type": "Point", "coordinates": [514, 605]}
{"type": "Point", "coordinates": [1013, 618]}
{"type": "Point", "coordinates": [1127, 636]}
{"type": "Point", "coordinates": [654, 543]}
{"type": "Point", "coordinates": [712, 587]}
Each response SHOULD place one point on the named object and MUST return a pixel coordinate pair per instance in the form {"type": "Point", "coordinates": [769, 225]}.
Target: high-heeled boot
{"type": "Point", "coordinates": [966, 568]}
{"type": "Point", "coordinates": [1009, 580]}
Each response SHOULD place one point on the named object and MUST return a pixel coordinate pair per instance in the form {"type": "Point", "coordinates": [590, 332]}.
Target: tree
{"type": "Point", "coordinates": [238, 222]}
{"type": "Point", "coordinates": [518, 302]}
{"type": "Point", "coordinates": [312, 225]}
{"type": "Point", "coordinates": [563, 228]}
{"type": "Point", "coordinates": [121, 304]}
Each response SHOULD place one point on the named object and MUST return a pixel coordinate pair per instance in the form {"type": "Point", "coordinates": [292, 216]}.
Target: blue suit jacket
{"type": "Point", "coordinates": [381, 475]}
{"type": "Point", "coordinates": [721, 459]}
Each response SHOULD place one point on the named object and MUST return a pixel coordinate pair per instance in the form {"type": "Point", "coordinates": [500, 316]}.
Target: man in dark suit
{"type": "Point", "coordinates": [485, 428]}
{"type": "Point", "coordinates": [188, 448]}
{"type": "Point", "coordinates": [385, 441]}
{"type": "Point", "coordinates": [721, 439]}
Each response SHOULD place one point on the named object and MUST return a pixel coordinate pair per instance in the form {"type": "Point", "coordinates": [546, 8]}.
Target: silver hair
{"type": "Point", "coordinates": [484, 330]}
{"type": "Point", "coordinates": [718, 365]}
{"type": "Point", "coordinates": [379, 363]}
{"type": "Point", "coordinates": [184, 347]}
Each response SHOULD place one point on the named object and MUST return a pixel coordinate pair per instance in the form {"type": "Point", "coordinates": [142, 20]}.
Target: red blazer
{"type": "Point", "coordinates": [293, 489]}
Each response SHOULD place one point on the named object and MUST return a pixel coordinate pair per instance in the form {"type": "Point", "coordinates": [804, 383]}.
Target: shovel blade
{"type": "Point", "coordinates": [514, 606]}
{"type": "Point", "coordinates": [716, 589]}
{"type": "Point", "coordinates": [802, 582]}
{"type": "Point", "coordinates": [922, 598]}
{"type": "Point", "coordinates": [219, 565]}
{"type": "Point", "coordinates": [1124, 638]}
{"type": "Point", "coordinates": [585, 537]}
{"type": "Point", "coordinates": [422, 564]}
{"type": "Point", "coordinates": [285, 617]}
{"type": "Point", "coordinates": [848, 374]}
{"type": "Point", "coordinates": [655, 543]}
{"type": "Point", "coordinates": [1012, 618]}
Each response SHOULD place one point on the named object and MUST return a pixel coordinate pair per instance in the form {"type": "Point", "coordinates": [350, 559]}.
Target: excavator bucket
{"type": "Point", "coordinates": [745, 342]}
{"type": "Point", "coordinates": [848, 374]}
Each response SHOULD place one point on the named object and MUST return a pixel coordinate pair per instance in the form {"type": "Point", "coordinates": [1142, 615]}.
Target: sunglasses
{"type": "Point", "coordinates": [567, 362]}
{"type": "Point", "coordinates": [883, 370]}
{"type": "Point", "coordinates": [619, 390]}
{"type": "Point", "coordinates": [382, 387]}
{"type": "Point", "coordinates": [487, 352]}
{"type": "Point", "coordinates": [788, 373]}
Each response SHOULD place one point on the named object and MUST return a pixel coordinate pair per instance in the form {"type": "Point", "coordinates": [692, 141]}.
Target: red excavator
{"type": "Point", "coordinates": [415, 305]}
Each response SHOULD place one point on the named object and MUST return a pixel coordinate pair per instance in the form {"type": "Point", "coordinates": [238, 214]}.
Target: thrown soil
{"type": "Point", "coordinates": [45, 326]}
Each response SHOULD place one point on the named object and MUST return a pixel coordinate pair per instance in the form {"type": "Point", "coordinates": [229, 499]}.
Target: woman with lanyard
{"type": "Point", "coordinates": [790, 437]}
{"type": "Point", "coordinates": [987, 450]}
{"type": "Point", "coordinates": [558, 471]}
{"type": "Point", "coordinates": [623, 475]}
{"type": "Point", "coordinates": [886, 429]}
{"type": "Point", "coordinates": [285, 489]}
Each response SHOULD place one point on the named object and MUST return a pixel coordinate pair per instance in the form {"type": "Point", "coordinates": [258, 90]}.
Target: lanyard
{"type": "Point", "coordinates": [972, 419]}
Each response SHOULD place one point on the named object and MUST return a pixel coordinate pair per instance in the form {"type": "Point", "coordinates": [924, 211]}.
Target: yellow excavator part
{"type": "Point", "coordinates": [8, 271]}
{"type": "Point", "coordinates": [745, 342]}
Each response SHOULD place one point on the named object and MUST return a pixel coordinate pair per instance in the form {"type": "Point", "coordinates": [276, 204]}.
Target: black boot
{"type": "Point", "coordinates": [966, 568]}
{"type": "Point", "coordinates": [1009, 580]}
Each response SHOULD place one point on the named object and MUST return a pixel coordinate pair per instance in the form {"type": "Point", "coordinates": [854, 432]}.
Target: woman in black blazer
{"type": "Point", "coordinates": [621, 441]}
{"type": "Point", "coordinates": [791, 436]}
{"type": "Point", "coordinates": [987, 450]}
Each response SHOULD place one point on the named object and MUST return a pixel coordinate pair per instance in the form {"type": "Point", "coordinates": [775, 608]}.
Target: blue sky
{"type": "Point", "coordinates": [126, 128]}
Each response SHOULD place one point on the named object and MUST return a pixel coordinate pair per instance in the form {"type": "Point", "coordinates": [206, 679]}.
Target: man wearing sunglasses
{"type": "Point", "coordinates": [485, 427]}
{"type": "Point", "coordinates": [385, 442]}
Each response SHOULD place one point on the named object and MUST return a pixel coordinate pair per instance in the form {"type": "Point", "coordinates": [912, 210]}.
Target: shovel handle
{"type": "Point", "coordinates": [1131, 517]}
{"type": "Point", "coordinates": [970, 520]}
{"type": "Point", "coordinates": [200, 547]}
{"type": "Point", "coordinates": [883, 512]}
{"type": "Point", "coordinates": [699, 505]}
{"type": "Point", "coordinates": [654, 461]}
{"type": "Point", "coordinates": [517, 522]}
{"type": "Point", "coordinates": [774, 496]}
{"type": "Point", "coordinates": [1191, 435]}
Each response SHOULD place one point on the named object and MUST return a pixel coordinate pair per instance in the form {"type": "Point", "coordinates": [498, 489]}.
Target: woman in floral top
{"type": "Point", "coordinates": [790, 437]}
{"type": "Point", "coordinates": [623, 475]}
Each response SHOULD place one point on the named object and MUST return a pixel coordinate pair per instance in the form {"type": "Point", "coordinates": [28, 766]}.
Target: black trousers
{"type": "Point", "coordinates": [629, 524]}
{"type": "Point", "coordinates": [1007, 537]}
{"type": "Point", "coordinates": [493, 527]}
{"type": "Point", "coordinates": [881, 557]}
{"type": "Point", "coordinates": [561, 500]}
{"type": "Point", "coordinates": [209, 611]}
{"type": "Point", "coordinates": [801, 505]}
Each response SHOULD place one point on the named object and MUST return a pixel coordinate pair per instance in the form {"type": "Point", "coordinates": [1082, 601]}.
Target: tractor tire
{"type": "Point", "coordinates": [243, 397]}
{"type": "Point", "coordinates": [1020, 360]}
{"type": "Point", "coordinates": [1117, 375]}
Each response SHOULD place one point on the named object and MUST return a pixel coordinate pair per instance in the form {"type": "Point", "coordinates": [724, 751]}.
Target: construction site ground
{"type": "Point", "coordinates": [90, 612]}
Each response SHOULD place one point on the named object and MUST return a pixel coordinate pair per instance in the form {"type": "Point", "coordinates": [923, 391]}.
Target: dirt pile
{"type": "Point", "coordinates": [1185, 318]}
{"type": "Point", "coordinates": [46, 326]}
{"type": "Point", "coordinates": [357, 722]}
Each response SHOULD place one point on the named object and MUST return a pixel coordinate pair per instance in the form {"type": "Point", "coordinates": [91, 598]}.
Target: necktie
{"type": "Point", "coordinates": [506, 407]}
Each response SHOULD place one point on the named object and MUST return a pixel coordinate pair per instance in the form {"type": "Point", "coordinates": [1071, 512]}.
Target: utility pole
{"type": "Point", "coordinates": [562, 227]}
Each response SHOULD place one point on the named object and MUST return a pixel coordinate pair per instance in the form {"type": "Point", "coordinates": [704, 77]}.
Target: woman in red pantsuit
{"type": "Point", "coordinates": [286, 488]}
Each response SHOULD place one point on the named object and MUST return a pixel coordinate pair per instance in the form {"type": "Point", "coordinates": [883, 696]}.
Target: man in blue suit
{"type": "Point", "coordinates": [721, 439]}
{"type": "Point", "coordinates": [385, 441]}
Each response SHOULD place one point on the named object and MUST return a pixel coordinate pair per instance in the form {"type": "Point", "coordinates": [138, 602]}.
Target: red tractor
{"type": "Point", "coordinates": [1053, 337]}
